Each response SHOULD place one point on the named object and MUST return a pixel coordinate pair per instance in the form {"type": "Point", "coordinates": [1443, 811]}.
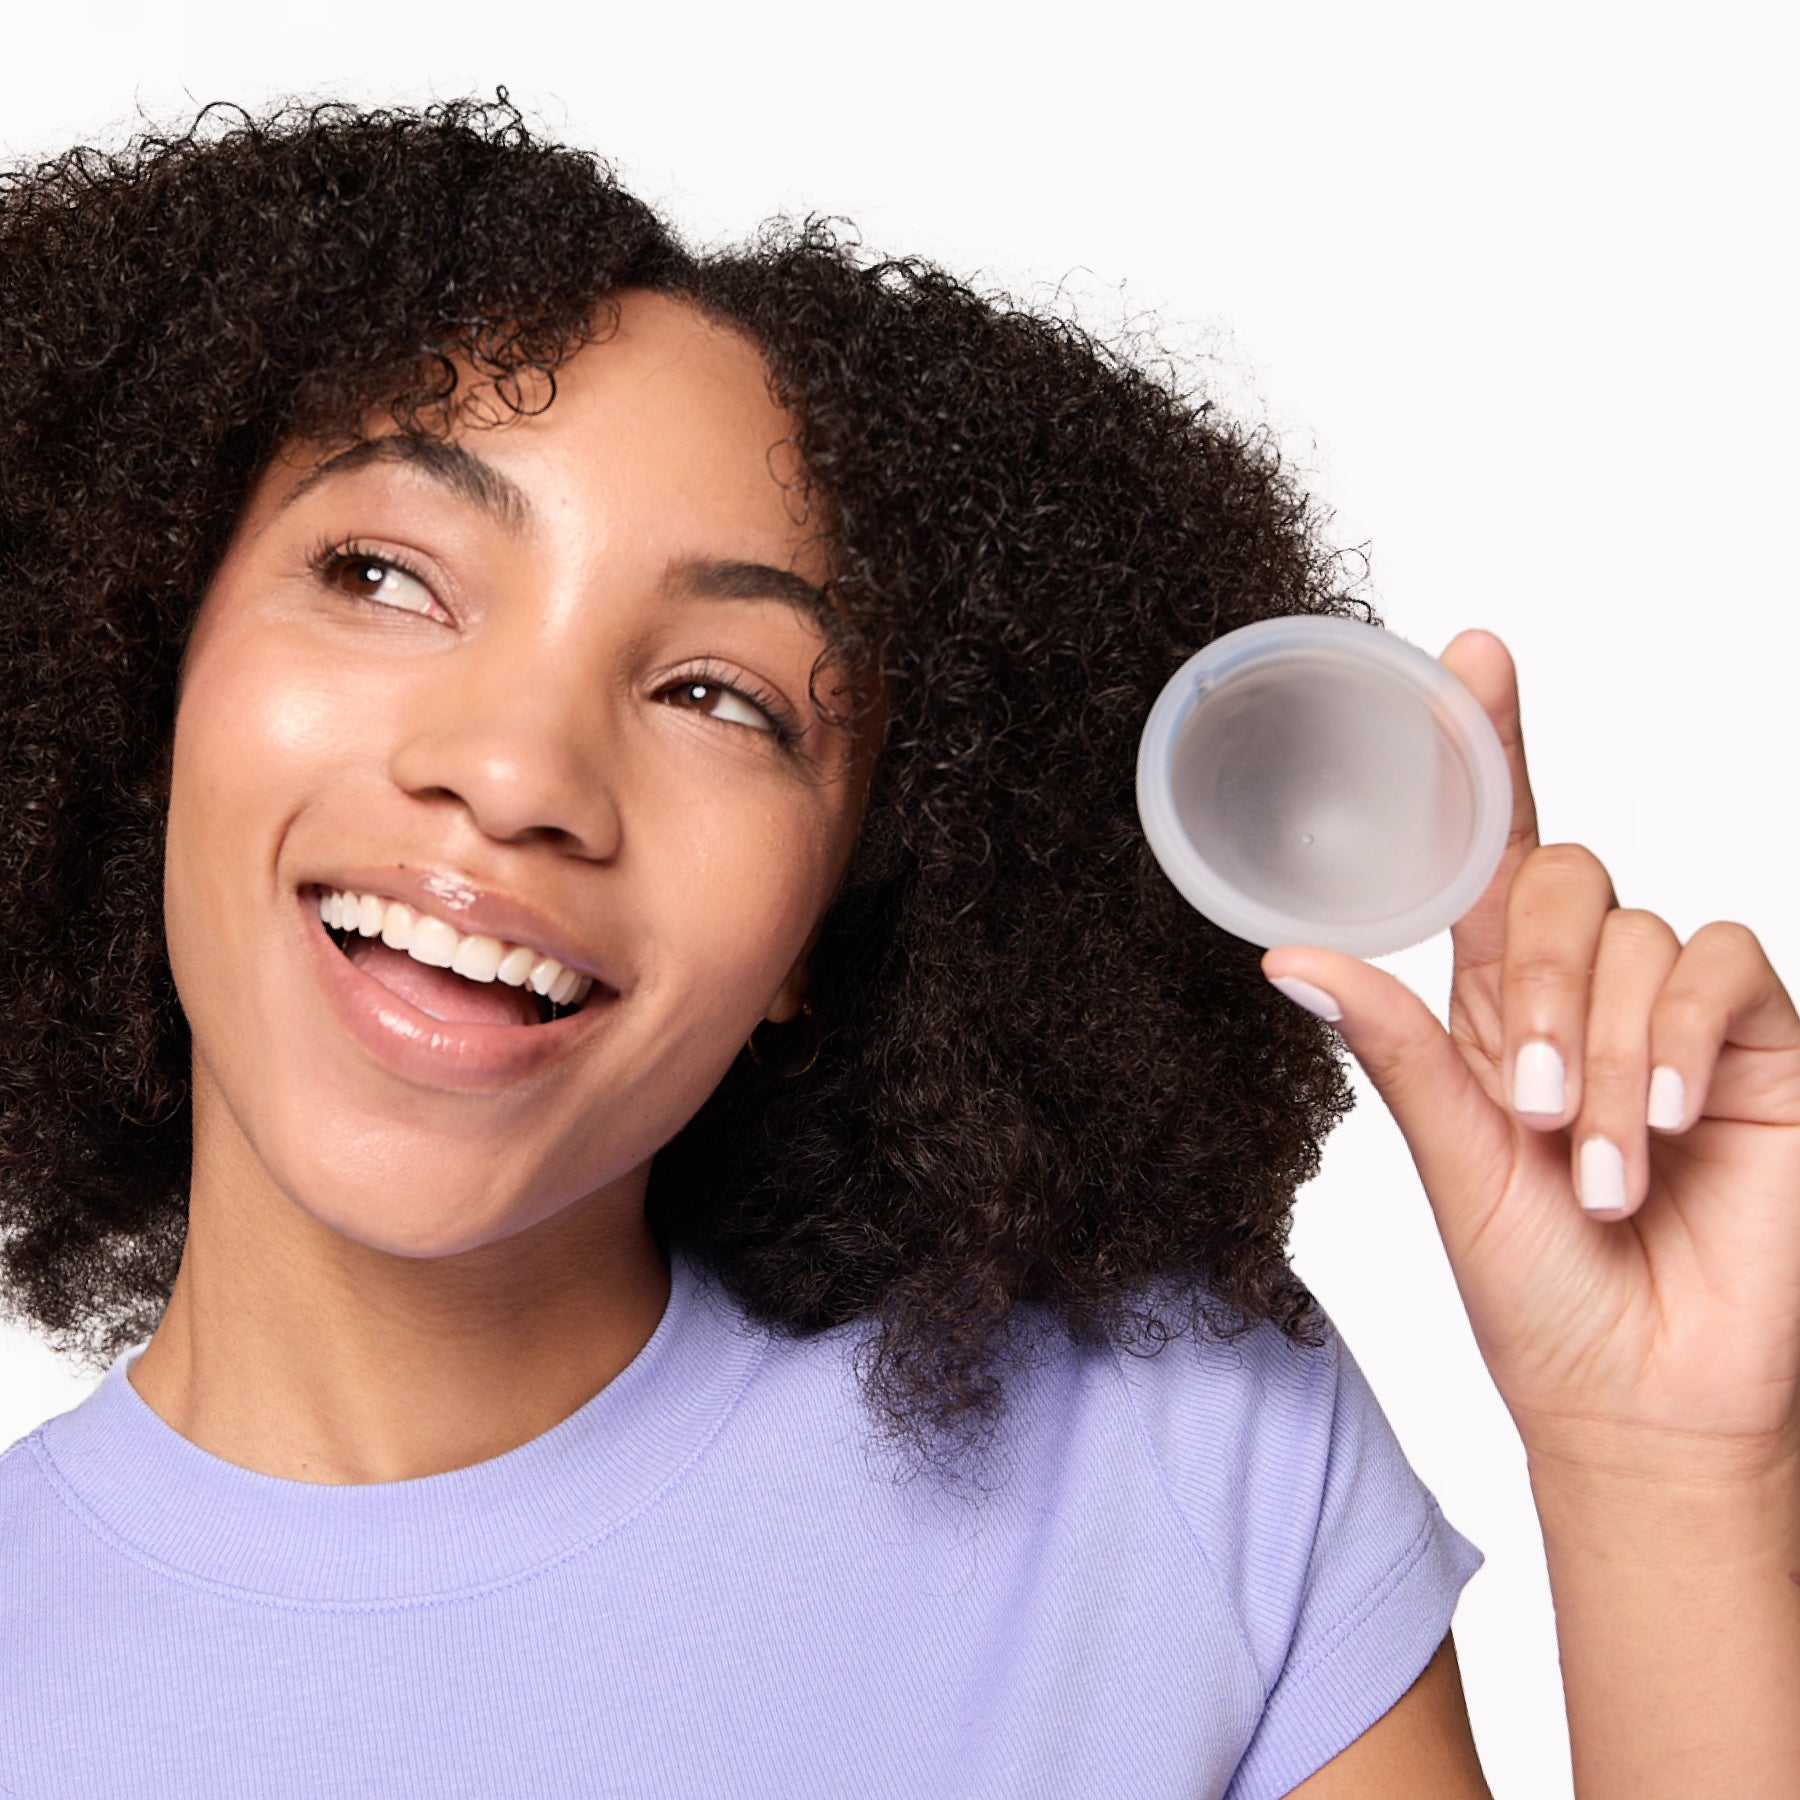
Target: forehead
{"type": "Point", "coordinates": [664, 371]}
{"type": "Point", "coordinates": [666, 414]}
{"type": "Point", "coordinates": [673, 401]}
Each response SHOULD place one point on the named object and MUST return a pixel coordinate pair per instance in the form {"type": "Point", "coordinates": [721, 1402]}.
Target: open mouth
{"type": "Point", "coordinates": [450, 977]}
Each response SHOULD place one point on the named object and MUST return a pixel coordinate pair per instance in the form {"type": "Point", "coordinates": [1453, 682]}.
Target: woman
{"type": "Point", "coordinates": [583, 970]}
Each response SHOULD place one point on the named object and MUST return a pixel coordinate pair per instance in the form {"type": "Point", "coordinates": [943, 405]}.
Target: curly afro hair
{"type": "Point", "coordinates": [1035, 1086]}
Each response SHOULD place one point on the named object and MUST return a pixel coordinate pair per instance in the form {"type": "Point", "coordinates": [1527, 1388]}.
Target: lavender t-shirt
{"type": "Point", "coordinates": [1200, 1573]}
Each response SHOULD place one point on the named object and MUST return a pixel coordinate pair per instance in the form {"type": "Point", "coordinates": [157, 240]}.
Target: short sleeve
{"type": "Point", "coordinates": [1335, 1558]}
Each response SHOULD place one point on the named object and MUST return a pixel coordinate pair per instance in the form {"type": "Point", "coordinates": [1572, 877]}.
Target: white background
{"type": "Point", "coordinates": [1513, 285]}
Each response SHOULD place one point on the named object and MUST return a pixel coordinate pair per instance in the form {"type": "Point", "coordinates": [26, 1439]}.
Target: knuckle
{"type": "Point", "coordinates": [1536, 975]}
{"type": "Point", "coordinates": [1728, 935]}
{"type": "Point", "coordinates": [1637, 929]}
{"type": "Point", "coordinates": [1611, 1069]}
{"type": "Point", "coordinates": [1556, 875]}
{"type": "Point", "coordinates": [1566, 861]}
{"type": "Point", "coordinates": [1684, 1010]}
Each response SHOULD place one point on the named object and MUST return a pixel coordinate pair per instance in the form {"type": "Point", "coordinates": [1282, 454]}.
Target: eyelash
{"type": "Point", "coordinates": [783, 726]}
{"type": "Point", "coordinates": [329, 560]}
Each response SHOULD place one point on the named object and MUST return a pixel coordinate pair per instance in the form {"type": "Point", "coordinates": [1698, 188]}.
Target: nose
{"type": "Point", "coordinates": [519, 744]}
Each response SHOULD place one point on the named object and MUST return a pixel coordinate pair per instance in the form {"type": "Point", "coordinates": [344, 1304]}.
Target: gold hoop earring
{"type": "Point", "coordinates": [806, 1012]}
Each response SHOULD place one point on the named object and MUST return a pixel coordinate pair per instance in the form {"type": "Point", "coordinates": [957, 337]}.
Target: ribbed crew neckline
{"type": "Point", "coordinates": [159, 1497]}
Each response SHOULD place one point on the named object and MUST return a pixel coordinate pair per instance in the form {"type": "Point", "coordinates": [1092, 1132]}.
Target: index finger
{"type": "Point", "coordinates": [1484, 665]}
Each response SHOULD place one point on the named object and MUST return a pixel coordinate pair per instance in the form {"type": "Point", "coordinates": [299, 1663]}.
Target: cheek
{"type": "Point", "coordinates": [251, 733]}
{"type": "Point", "coordinates": [252, 699]}
{"type": "Point", "coordinates": [742, 888]}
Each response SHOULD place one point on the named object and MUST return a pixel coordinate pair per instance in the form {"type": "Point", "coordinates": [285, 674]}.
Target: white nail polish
{"type": "Point", "coordinates": [1303, 993]}
{"type": "Point", "coordinates": [1538, 1085]}
{"type": "Point", "coordinates": [1668, 1099]}
{"type": "Point", "coordinates": [1601, 1176]}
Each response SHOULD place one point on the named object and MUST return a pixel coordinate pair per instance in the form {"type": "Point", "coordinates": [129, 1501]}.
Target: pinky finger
{"type": "Point", "coordinates": [1722, 998]}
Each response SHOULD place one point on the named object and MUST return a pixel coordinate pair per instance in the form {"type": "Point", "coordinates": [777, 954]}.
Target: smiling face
{"type": "Point", "coordinates": [544, 686]}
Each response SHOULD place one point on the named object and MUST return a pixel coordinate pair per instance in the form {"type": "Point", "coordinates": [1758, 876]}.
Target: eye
{"type": "Point", "coordinates": [380, 579]}
{"type": "Point", "coordinates": [720, 702]}
{"type": "Point", "coordinates": [732, 702]}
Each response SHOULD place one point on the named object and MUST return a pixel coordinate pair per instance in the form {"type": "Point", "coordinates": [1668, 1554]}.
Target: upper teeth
{"type": "Point", "coordinates": [431, 941]}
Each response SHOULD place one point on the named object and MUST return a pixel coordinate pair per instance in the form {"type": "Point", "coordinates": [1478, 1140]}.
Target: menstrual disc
{"type": "Point", "coordinates": [1321, 781]}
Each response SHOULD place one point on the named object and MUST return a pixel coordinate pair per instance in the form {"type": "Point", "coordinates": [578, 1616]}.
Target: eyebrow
{"type": "Point", "coordinates": [450, 465]}
{"type": "Point", "coordinates": [735, 580]}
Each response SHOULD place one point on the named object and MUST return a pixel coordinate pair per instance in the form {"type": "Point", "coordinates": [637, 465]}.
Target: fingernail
{"type": "Point", "coordinates": [1538, 1079]}
{"type": "Point", "coordinates": [1668, 1100]}
{"type": "Point", "coordinates": [1314, 999]}
{"type": "Point", "coordinates": [1600, 1180]}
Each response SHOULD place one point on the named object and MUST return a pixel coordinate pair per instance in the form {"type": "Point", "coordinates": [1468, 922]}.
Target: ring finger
{"type": "Point", "coordinates": [1638, 952]}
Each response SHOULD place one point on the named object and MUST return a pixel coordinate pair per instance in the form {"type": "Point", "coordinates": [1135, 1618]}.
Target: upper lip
{"type": "Point", "coordinates": [467, 906]}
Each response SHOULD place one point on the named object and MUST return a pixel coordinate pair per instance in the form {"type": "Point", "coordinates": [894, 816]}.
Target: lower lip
{"type": "Point", "coordinates": [434, 1052]}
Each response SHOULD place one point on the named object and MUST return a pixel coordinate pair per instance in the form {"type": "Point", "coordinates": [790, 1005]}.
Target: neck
{"type": "Point", "coordinates": [294, 1350]}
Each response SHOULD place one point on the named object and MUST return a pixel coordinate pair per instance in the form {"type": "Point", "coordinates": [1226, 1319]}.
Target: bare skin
{"type": "Point", "coordinates": [1647, 1343]}
{"type": "Point", "coordinates": [1422, 1745]}
{"type": "Point", "coordinates": [389, 1274]}
{"type": "Point", "coordinates": [514, 688]}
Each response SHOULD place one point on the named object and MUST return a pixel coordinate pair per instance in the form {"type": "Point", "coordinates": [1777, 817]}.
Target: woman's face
{"type": "Point", "coordinates": [548, 687]}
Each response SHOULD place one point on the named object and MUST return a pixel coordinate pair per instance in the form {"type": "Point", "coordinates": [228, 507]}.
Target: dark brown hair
{"type": "Point", "coordinates": [1036, 1085]}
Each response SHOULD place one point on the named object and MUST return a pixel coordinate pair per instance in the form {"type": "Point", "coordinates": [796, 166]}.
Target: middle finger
{"type": "Point", "coordinates": [1555, 910]}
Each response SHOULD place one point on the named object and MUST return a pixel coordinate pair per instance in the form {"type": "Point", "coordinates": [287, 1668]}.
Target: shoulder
{"type": "Point", "coordinates": [21, 1473]}
{"type": "Point", "coordinates": [1242, 1427]}
{"type": "Point", "coordinates": [1281, 1460]}
{"type": "Point", "coordinates": [28, 1473]}
{"type": "Point", "coordinates": [1248, 1400]}
{"type": "Point", "coordinates": [35, 1532]}
{"type": "Point", "coordinates": [16, 1460]}
{"type": "Point", "coordinates": [46, 1530]}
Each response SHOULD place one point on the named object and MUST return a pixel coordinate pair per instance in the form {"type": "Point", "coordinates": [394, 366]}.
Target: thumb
{"type": "Point", "coordinates": [1461, 1142]}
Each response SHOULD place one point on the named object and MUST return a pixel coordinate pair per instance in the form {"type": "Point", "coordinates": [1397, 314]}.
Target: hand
{"type": "Point", "coordinates": [1670, 1321]}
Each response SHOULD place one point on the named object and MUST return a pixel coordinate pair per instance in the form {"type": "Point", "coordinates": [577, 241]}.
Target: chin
{"type": "Point", "coordinates": [419, 1233]}
{"type": "Point", "coordinates": [428, 1213]}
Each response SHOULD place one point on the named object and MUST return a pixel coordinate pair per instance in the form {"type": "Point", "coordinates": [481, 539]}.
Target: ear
{"type": "Point", "coordinates": [786, 1004]}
